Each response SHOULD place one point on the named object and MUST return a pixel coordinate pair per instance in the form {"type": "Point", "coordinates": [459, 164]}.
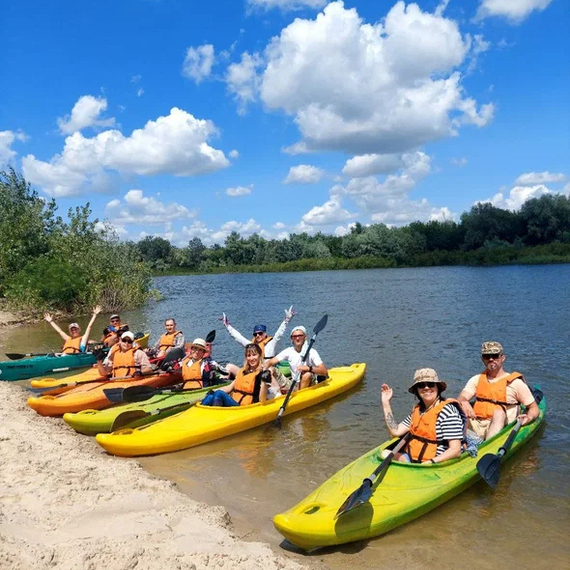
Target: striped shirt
{"type": "Point", "coordinates": [449, 425]}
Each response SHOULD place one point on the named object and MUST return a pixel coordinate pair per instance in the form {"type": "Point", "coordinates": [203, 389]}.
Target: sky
{"type": "Point", "coordinates": [184, 119]}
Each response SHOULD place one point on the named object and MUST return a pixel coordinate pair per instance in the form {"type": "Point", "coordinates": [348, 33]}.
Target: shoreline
{"type": "Point", "coordinates": [65, 504]}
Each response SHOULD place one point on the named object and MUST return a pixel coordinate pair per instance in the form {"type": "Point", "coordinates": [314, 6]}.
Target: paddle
{"type": "Point", "coordinates": [126, 418]}
{"type": "Point", "coordinates": [489, 466]}
{"type": "Point", "coordinates": [318, 328]}
{"type": "Point", "coordinates": [364, 492]}
{"type": "Point", "coordinates": [19, 356]}
{"type": "Point", "coordinates": [137, 393]}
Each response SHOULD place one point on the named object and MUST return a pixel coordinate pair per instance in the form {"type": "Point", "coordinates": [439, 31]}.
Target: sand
{"type": "Point", "coordinates": [65, 504]}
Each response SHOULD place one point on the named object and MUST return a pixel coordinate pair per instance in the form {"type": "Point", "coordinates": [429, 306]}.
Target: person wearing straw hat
{"type": "Point", "coordinates": [436, 424]}
{"type": "Point", "coordinates": [74, 342]}
{"type": "Point", "coordinates": [199, 370]}
{"type": "Point", "coordinates": [497, 394]}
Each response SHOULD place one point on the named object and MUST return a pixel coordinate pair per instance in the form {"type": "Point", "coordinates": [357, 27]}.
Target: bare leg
{"type": "Point", "coordinates": [306, 380]}
{"type": "Point", "coordinates": [498, 422]}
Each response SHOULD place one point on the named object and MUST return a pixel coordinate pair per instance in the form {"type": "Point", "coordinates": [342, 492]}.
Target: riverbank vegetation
{"type": "Point", "coordinates": [49, 263]}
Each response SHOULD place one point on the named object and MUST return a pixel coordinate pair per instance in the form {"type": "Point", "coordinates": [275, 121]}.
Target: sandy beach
{"type": "Point", "coordinates": [65, 504]}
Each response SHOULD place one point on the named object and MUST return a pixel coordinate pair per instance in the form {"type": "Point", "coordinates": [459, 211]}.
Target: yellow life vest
{"type": "Point", "coordinates": [423, 441]}
{"type": "Point", "coordinates": [72, 346]}
{"type": "Point", "coordinates": [491, 395]}
{"type": "Point", "coordinates": [244, 387]}
{"type": "Point", "coordinates": [124, 362]}
{"type": "Point", "coordinates": [167, 340]}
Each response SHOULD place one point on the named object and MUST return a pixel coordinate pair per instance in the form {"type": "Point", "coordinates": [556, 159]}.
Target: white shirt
{"type": "Point", "coordinates": [295, 359]}
{"type": "Point", "coordinates": [269, 347]}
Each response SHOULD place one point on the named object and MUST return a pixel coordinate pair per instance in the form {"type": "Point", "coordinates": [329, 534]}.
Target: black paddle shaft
{"type": "Point", "coordinates": [318, 328]}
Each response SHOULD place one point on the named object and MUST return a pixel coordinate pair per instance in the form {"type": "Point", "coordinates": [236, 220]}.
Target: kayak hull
{"type": "Point", "coordinates": [92, 422]}
{"type": "Point", "coordinates": [12, 370]}
{"type": "Point", "coordinates": [201, 424]}
{"type": "Point", "coordinates": [406, 492]}
{"type": "Point", "coordinates": [91, 396]}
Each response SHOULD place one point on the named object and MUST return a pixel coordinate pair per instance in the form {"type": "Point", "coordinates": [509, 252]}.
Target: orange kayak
{"type": "Point", "coordinates": [91, 396]}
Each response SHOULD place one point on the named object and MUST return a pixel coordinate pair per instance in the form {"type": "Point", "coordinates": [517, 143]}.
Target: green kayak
{"type": "Point", "coordinates": [406, 492]}
{"type": "Point", "coordinates": [92, 422]}
{"type": "Point", "coordinates": [43, 365]}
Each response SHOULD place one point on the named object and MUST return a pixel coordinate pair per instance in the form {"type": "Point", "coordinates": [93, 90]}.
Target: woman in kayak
{"type": "Point", "coordinates": [250, 385]}
{"type": "Point", "coordinates": [74, 342]}
{"type": "Point", "coordinates": [436, 425]}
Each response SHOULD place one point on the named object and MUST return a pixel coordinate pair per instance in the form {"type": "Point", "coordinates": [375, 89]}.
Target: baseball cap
{"type": "Point", "coordinates": [491, 347]}
{"type": "Point", "coordinates": [74, 326]}
{"type": "Point", "coordinates": [259, 328]}
{"type": "Point", "coordinates": [128, 334]}
{"type": "Point", "coordinates": [299, 328]}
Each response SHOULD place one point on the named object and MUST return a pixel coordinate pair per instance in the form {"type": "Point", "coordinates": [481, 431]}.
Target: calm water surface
{"type": "Point", "coordinates": [395, 320]}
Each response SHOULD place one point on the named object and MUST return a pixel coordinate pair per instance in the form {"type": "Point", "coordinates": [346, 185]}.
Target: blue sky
{"type": "Point", "coordinates": [181, 119]}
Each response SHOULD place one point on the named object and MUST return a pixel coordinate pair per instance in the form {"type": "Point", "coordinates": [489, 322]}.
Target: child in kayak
{"type": "Point", "coordinates": [74, 342]}
{"type": "Point", "coordinates": [250, 385]}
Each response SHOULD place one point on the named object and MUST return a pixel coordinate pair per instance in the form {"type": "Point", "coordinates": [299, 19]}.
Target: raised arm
{"type": "Point", "coordinates": [236, 335]}
{"type": "Point", "coordinates": [49, 319]}
{"type": "Point", "coordinates": [395, 429]}
{"type": "Point", "coordinates": [85, 337]}
{"type": "Point", "coordinates": [272, 344]}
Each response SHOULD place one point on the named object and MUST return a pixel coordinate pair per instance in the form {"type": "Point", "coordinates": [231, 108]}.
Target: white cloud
{"type": "Point", "coordinates": [513, 10]}
{"type": "Point", "coordinates": [304, 174]}
{"type": "Point", "coordinates": [365, 88]}
{"type": "Point", "coordinates": [242, 80]}
{"type": "Point", "coordinates": [7, 138]}
{"type": "Point", "coordinates": [286, 5]}
{"type": "Point", "coordinates": [85, 113]}
{"type": "Point", "coordinates": [517, 196]}
{"type": "Point", "coordinates": [139, 209]}
{"type": "Point", "coordinates": [461, 162]}
{"type": "Point", "coordinates": [244, 229]}
{"type": "Point", "coordinates": [331, 212]}
{"type": "Point", "coordinates": [175, 144]}
{"type": "Point", "coordinates": [240, 190]}
{"type": "Point", "coordinates": [369, 164]}
{"type": "Point", "coordinates": [479, 46]}
{"type": "Point", "coordinates": [136, 78]}
{"type": "Point", "coordinates": [233, 154]}
{"type": "Point", "coordinates": [530, 178]}
{"type": "Point", "coordinates": [198, 62]}
{"type": "Point", "coordinates": [279, 226]}
{"type": "Point", "coordinates": [140, 92]}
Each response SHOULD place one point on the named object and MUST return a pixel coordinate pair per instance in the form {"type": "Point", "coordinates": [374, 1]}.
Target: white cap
{"type": "Point", "coordinates": [299, 328]}
{"type": "Point", "coordinates": [128, 334]}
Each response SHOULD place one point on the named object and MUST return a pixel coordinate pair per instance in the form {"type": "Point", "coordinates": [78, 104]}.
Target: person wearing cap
{"type": "Point", "coordinates": [172, 338]}
{"type": "Point", "coordinates": [436, 424]}
{"type": "Point", "coordinates": [267, 343]}
{"type": "Point", "coordinates": [124, 359]}
{"type": "Point", "coordinates": [303, 373]}
{"type": "Point", "coordinates": [112, 333]}
{"type": "Point", "coordinates": [199, 370]}
{"type": "Point", "coordinates": [250, 385]}
{"type": "Point", "coordinates": [74, 342]}
{"type": "Point", "coordinates": [498, 395]}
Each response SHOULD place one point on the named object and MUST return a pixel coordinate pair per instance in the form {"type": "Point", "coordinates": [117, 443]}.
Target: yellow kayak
{"type": "Point", "coordinates": [201, 424]}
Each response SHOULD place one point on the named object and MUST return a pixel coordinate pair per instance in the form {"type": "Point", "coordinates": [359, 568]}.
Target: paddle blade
{"type": "Point", "coordinates": [16, 355]}
{"type": "Point", "coordinates": [174, 355]}
{"type": "Point", "coordinates": [489, 467]}
{"type": "Point", "coordinates": [321, 325]}
{"type": "Point", "coordinates": [356, 499]}
{"type": "Point", "coordinates": [114, 395]}
{"type": "Point", "coordinates": [211, 336]}
{"type": "Point", "coordinates": [126, 418]}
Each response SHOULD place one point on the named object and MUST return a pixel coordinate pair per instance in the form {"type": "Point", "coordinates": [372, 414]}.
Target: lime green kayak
{"type": "Point", "coordinates": [406, 492]}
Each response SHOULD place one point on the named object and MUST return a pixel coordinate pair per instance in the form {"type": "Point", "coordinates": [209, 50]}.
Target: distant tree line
{"type": "Point", "coordinates": [538, 233]}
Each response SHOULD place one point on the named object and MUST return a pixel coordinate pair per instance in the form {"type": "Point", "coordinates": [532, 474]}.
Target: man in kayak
{"type": "Point", "coordinates": [74, 342]}
{"type": "Point", "coordinates": [436, 424]}
{"type": "Point", "coordinates": [112, 333]}
{"type": "Point", "coordinates": [498, 395]}
{"type": "Point", "coordinates": [303, 373]}
{"type": "Point", "coordinates": [249, 387]}
{"type": "Point", "coordinates": [267, 343]}
{"type": "Point", "coordinates": [198, 369]}
{"type": "Point", "coordinates": [172, 338]}
{"type": "Point", "coordinates": [124, 359]}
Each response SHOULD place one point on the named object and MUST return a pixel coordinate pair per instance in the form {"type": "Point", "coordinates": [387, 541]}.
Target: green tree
{"type": "Point", "coordinates": [546, 219]}
{"type": "Point", "coordinates": [485, 222]}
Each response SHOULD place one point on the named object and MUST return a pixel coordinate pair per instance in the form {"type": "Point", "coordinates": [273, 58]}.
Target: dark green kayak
{"type": "Point", "coordinates": [42, 365]}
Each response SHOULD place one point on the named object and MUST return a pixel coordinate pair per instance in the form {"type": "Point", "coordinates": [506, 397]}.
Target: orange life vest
{"type": "Point", "coordinates": [109, 334]}
{"type": "Point", "coordinates": [167, 340]}
{"type": "Point", "coordinates": [72, 346]}
{"type": "Point", "coordinates": [423, 441]}
{"type": "Point", "coordinates": [490, 395]}
{"type": "Point", "coordinates": [124, 362]}
{"type": "Point", "coordinates": [192, 374]}
{"type": "Point", "coordinates": [244, 387]}
{"type": "Point", "coordinates": [261, 343]}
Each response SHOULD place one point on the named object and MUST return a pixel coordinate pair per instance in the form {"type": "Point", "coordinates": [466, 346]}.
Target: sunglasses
{"type": "Point", "coordinates": [297, 336]}
{"type": "Point", "coordinates": [258, 333]}
{"type": "Point", "coordinates": [422, 385]}
{"type": "Point", "coordinates": [127, 340]}
{"type": "Point", "coordinates": [492, 356]}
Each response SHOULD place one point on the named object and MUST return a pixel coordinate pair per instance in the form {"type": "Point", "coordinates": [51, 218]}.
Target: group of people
{"type": "Point", "coordinates": [437, 428]}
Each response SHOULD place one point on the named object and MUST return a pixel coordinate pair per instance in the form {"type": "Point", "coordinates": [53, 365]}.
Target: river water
{"type": "Point", "coordinates": [395, 320]}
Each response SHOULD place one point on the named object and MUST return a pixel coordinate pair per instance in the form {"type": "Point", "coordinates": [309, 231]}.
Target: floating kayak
{"type": "Point", "coordinates": [92, 422]}
{"type": "Point", "coordinates": [88, 375]}
{"type": "Point", "coordinates": [406, 492]}
{"type": "Point", "coordinates": [201, 424]}
{"type": "Point", "coordinates": [90, 396]}
{"type": "Point", "coordinates": [11, 370]}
